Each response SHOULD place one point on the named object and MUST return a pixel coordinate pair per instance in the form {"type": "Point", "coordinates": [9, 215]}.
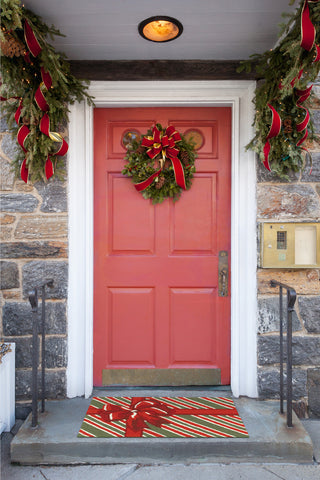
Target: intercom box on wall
{"type": "Point", "coordinates": [290, 245]}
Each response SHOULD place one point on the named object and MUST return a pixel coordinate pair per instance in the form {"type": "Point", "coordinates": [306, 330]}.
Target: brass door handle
{"type": "Point", "coordinates": [223, 274]}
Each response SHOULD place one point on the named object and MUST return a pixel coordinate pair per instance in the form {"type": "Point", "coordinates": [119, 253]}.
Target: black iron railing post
{"type": "Point", "coordinates": [281, 348]}
{"type": "Point", "coordinates": [33, 299]}
{"type": "Point", "coordinates": [43, 346]}
{"type": "Point", "coordinates": [291, 299]}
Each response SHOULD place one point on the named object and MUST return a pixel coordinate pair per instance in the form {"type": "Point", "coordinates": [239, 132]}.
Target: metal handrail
{"type": "Point", "coordinates": [33, 299]}
{"type": "Point", "coordinates": [291, 299]}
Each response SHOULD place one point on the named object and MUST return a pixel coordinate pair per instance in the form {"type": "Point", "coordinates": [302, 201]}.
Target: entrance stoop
{"type": "Point", "coordinates": [55, 442]}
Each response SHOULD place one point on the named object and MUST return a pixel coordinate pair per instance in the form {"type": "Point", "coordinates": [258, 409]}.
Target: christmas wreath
{"type": "Point", "coordinates": [161, 163]}
{"type": "Point", "coordinates": [36, 88]}
{"type": "Point", "coordinates": [283, 95]}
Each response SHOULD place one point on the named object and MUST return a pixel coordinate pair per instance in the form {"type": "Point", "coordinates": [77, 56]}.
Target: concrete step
{"type": "Point", "coordinates": [55, 442]}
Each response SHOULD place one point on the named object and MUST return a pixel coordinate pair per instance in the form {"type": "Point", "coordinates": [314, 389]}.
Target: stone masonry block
{"type": "Point", "coordinates": [54, 196]}
{"type": "Point", "coordinates": [23, 351]}
{"type": "Point", "coordinates": [5, 233]}
{"type": "Point", "coordinates": [305, 350]}
{"type": "Point", "coordinates": [36, 273]}
{"type": "Point", "coordinates": [314, 176]}
{"type": "Point", "coordinates": [6, 175]}
{"type": "Point", "coordinates": [9, 276]}
{"type": "Point", "coordinates": [305, 282]}
{"type": "Point", "coordinates": [313, 386]}
{"type": "Point", "coordinates": [269, 383]}
{"type": "Point", "coordinates": [17, 318]}
{"type": "Point", "coordinates": [285, 202]}
{"type": "Point", "coordinates": [263, 175]}
{"type": "Point", "coordinates": [10, 146]}
{"type": "Point", "coordinates": [3, 122]}
{"type": "Point", "coordinates": [55, 384]}
{"type": "Point", "coordinates": [269, 316]}
{"type": "Point", "coordinates": [310, 313]}
{"type": "Point", "coordinates": [18, 202]}
{"type": "Point", "coordinates": [33, 249]}
{"type": "Point", "coordinates": [42, 226]}
{"type": "Point", "coordinates": [56, 352]}
{"type": "Point", "coordinates": [6, 219]}
{"type": "Point", "coordinates": [316, 120]}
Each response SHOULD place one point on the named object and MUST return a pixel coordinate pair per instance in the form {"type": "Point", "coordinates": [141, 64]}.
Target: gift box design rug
{"type": "Point", "coordinates": [150, 417]}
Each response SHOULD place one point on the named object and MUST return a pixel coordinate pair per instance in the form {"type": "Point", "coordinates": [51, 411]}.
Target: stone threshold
{"type": "Point", "coordinates": [55, 441]}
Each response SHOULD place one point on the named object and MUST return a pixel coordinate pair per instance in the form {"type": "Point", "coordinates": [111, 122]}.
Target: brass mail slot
{"type": "Point", "coordinates": [290, 245]}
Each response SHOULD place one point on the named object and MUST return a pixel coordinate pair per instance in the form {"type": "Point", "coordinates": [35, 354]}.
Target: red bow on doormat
{"type": "Point", "coordinates": [144, 410]}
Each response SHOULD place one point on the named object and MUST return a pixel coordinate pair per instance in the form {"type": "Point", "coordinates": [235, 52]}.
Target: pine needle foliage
{"type": "Point", "coordinates": [21, 79]}
{"type": "Point", "coordinates": [278, 67]}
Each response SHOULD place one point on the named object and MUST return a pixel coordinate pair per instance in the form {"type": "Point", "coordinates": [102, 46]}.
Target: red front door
{"type": "Point", "coordinates": [156, 302]}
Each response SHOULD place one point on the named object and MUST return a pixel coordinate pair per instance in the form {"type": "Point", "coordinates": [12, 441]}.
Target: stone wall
{"type": "Point", "coordinates": [34, 236]}
{"type": "Point", "coordinates": [294, 201]}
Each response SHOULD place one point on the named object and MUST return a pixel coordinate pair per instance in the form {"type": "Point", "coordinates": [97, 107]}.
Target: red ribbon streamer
{"type": "Point", "coordinates": [22, 136]}
{"type": "Point", "coordinates": [45, 129]}
{"type": "Point", "coordinates": [31, 40]}
{"type": "Point", "coordinates": [39, 97]}
{"type": "Point", "coordinates": [17, 115]}
{"type": "Point", "coordinates": [24, 171]}
{"type": "Point", "coordinates": [303, 95]}
{"type": "Point", "coordinates": [166, 145]}
{"type": "Point", "coordinates": [308, 31]}
{"type": "Point", "coordinates": [48, 168]}
{"type": "Point", "coordinates": [273, 132]}
{"type": "Point", "coordinates": [144, 410]}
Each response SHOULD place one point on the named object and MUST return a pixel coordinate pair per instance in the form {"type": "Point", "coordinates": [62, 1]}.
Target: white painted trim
{"type": "Point", "coordinates": [236, 94]}
{"type": "Point", "coordinates": [7, 389]}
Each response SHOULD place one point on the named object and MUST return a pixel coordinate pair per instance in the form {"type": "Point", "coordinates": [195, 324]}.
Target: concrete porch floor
{"type": "Point", "coordinates": [55, 442]}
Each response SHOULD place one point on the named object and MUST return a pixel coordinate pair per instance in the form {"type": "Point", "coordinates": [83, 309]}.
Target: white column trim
{"type": "Point", "coordinates": [236, 94]}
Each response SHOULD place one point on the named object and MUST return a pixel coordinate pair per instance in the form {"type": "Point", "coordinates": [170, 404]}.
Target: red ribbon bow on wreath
{"type": "Point", "coordinates": [163, 143]}
{"type": "Point", "coordinates": [145, 410]}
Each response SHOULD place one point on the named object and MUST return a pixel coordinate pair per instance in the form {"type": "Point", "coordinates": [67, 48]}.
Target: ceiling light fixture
{"type": "Point", "coordinates": [160, 29]}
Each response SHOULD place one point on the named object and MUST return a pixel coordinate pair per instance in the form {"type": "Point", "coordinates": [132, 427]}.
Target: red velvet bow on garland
{"type": "Point", "coordinates": [163, 143]}
{"type": "Point", "coordinates": [144, 410]}
{"type": "Point", "coordinates": [308, 35]}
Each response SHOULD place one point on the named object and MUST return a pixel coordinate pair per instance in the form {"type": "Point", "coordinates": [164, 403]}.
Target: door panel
{"type": "Point", "coordinates": [156, 302]}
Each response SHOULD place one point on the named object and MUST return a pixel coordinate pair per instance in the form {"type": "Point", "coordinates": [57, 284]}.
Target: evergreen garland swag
{"type": "Point", "coordinates": [22, 74]}
{"type": "Point", "coordinates": [286, 73]}
{"type": "Point", "coordinates": [141, 167]}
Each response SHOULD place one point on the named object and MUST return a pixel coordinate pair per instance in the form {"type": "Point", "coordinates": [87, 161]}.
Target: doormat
{"type": "Point", "coordinates": [150, 417]}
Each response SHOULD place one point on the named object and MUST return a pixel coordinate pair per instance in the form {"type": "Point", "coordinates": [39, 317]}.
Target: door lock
{"type": "Point", "coordinates": [223, 279]}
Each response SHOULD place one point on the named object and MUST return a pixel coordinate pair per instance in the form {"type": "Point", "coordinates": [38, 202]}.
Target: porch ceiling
{"type": "Point", "coordinates": [213, 29]}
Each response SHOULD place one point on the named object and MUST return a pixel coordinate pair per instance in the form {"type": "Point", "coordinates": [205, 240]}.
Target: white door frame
{"type": "Point", "coordinates": [236, 94]}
